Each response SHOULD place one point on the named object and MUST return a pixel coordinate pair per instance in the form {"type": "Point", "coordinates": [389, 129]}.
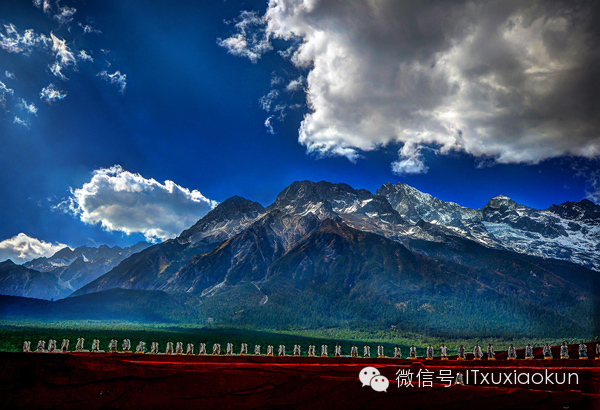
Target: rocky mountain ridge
{"type": "Point", "coordinates": [569, 231]}
{"type": "Point", "coordinates": [67, 270]}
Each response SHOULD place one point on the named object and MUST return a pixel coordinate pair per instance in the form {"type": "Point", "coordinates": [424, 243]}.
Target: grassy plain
{"type": "Point", "coordinates": [14, 332]}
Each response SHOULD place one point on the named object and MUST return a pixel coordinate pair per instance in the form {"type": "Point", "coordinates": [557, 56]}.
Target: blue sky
{"type": "Point", "coordinates": [466, 109]}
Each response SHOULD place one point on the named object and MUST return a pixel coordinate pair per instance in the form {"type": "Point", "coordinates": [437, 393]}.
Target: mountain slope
{"type": "Point", "coordinates": [57, 276]}
{"type": "Point", "coordinates": [17, 280]}
{"type": "Point", "coordinates": [563, 232]}
{"type": "Point", "coordinates": [153, 267]}
{"type": "Point", "coordinates": [335, 275]}
{"type": "Point", "coordinates": [227, 219]}
{"type": "Point", "coordinates": [114, 304]}
{"type": "Point", "coordinates": [65, 271]}
{"type": "Point", "coordinates": [569, 232]}
{"type": "Point", "coordinates": [341, 275]}
{"type": "Point", "coordinates": [245, 257]}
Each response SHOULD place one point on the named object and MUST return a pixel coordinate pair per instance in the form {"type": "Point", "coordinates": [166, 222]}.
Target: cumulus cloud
{"type": "Point", "coordinates": [410, 160]}
{"type": "Point", "coordinates": [512, 81]}
{"type": "Point", "coordinates": [10, 75]}
{"type": "Point", "coordinates": [51, 93]}
{"type": "Point", "coordinates": [123, 201]}
{"type": "Point", "coordinates": [115, 78]}
{"type": "Point", "coordinates": [22, 248]}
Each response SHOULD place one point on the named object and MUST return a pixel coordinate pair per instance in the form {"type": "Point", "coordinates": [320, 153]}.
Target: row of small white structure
{"type": "Point", "coordinates": [297, 350]}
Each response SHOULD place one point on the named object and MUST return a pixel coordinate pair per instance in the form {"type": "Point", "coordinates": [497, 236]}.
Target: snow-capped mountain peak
{"type": "Point", "coordinates": [570, 231]}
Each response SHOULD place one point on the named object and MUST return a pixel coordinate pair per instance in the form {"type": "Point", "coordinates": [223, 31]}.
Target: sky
{"type": "Point", "coordinates": [123, 121]}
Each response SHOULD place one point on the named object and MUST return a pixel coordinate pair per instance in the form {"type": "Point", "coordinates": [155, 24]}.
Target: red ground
{"type": "Point", "coordinates": [86, 380]}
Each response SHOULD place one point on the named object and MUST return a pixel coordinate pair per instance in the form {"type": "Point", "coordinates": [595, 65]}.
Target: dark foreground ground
{"type": "Point", "coordinates": [100, 380]}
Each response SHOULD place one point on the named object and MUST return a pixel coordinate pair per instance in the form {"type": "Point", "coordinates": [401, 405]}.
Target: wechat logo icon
{"type": "Point", "coordinates": [370, 376]}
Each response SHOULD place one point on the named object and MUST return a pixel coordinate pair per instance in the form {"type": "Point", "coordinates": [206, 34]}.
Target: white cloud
{"type": "Point", "coordinates": [28, 107]}
{"type": "Point", "coordinates": [269, 125]}
{"type": "Point", "coordinates": [44, 5]}
{"type": "Point", "coordinates": [84, 56]}
{"type": "Point", "coordinates": [51, 93]}
{"type": "Point", "coordinates": [296, 84]}
{"type": "Point", "coordinates": [64, 56]}
{"type": "Point", "coordinates": [593, 185]}
{"type": "Point", "coordinates": [56, 70]}
{"type": "Point", "coordinates": [251, 41]}
{"type": "Point", "coordinates": [410, 160]}
{"type": "Point", "coordinates": [22, 248]}
{"type": "Point", "coordinates": [4, 91]}
{"type": "Point", "coordinates": [123, 201]}
{"type": "Point", "coordinates": [19, 121]}
{"type": "Point", "coordinates": [14, 42]}
{"type": "Point", "coordinates": [50, 53]}
{"type": "Point", "coordinates": [65, 15]}
{"type": "Point", "coordinates": [512, 81]}
{"type": "Point", "coordinates": [267, 101]}
{"type": "Point", "coordinates": [115, 78]}
{"type": "Point", "coordinates": [87, 29]}
{"type": "Point", "coordinates": [594, 195]}
{"type": "Point", "coordinates": [276, 80]}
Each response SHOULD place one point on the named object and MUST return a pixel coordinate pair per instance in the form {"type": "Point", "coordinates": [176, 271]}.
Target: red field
{"type": "Point", "coordinates": [99, 380]}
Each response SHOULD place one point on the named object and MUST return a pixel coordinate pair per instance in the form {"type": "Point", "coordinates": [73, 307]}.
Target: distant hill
{"type": "Point", "coordinates": [59, 275]}
{"type": "Point", "coordinates": [22, 281]}
{"type": "Point", "coordinates": [114, 304]}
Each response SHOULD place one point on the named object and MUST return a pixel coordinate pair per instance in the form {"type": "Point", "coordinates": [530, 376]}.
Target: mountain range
{"type": "Point", "coordinates": [64, 272]}
{"type": "Point", "coordinates": [325, 254]}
